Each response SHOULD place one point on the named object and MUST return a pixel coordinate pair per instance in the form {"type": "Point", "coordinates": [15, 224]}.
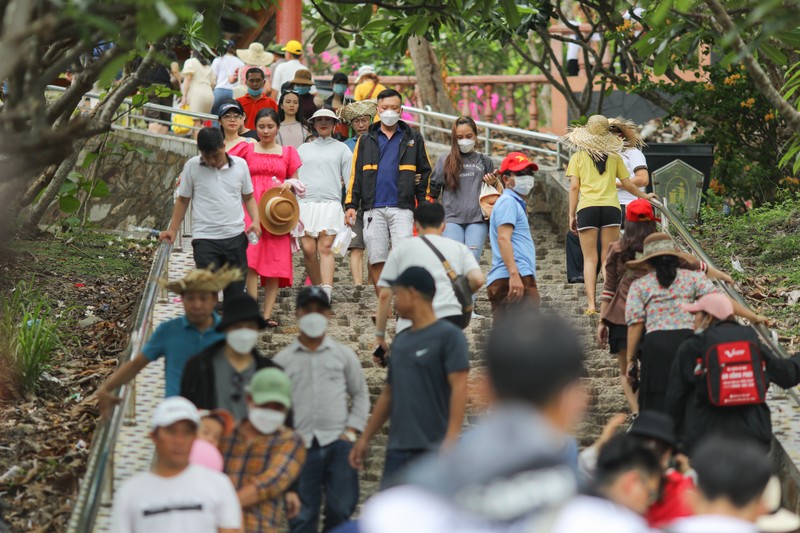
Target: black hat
{"type": "Point", "coordinates": [312, 294]}
{"type": "Point", "coordinates": [654, 425]}
{"type": "Point", "coordinates": [416, 278]}
{"type": "Point", "coordinates": [240, 308]}
{"type": "Point", "coordinates": [227, 106]}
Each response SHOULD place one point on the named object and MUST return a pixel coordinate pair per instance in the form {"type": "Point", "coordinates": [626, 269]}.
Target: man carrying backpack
{"type": "Point", "coordinates": [720, 377]}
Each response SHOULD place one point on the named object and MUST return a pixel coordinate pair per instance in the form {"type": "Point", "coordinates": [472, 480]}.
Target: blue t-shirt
{"type": "Point", "coordinates": [351, 142]}
{"type": "Point", "coordinates": [510, 209]}
{"type": "Point", "coordinates": [178, 340]}
{"type": "Point", "coordinates": [388, 169]}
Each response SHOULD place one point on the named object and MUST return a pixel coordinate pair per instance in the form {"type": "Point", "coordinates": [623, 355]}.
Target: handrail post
{"type": "Point", "coordinates": [108, 482]}
{"type": "Point", "coordinates": [487, 146]}
{"type": "Point", "coordinates": [422, 125]}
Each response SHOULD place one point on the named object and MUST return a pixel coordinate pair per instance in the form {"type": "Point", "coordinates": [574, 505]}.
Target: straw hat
{"type": "Point", "coordinates": [594, 137]}
{"type": "Point", "coordinates": [319, 113]}
{"type": "Point", "coordinates": [255, 55]}
{"type": "Point", "coordinates": [203, 280]}
{"type": "Point", "coordinates": [629, 130]}
{"type": "Point", "coordinates": [278, 210]}
{"type": "Point", "coordinates": [302, 77]}
{"type": "Point", "coordinates": [658, 244]}
{"type": "Point", "coordinates": [364, 108]}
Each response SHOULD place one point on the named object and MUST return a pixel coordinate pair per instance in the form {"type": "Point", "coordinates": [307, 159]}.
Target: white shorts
{"type": "Point", "coordinates": [381, 225]}
{"type": "Point", "coordinates": [321, 216]}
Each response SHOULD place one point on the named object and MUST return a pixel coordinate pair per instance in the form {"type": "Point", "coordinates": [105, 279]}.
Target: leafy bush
{"type": "Point", "coordinates": [29, 336]}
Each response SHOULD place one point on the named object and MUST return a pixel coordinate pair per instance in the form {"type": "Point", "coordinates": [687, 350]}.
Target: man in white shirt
{"type": "Point", "coordinates": [285, 71]}
{"type": "Point", "coordinates": [225, 69]}
{"type": "Point", "coordinates": [429, 220]}
{"type": "Point", "coordinates": [175, 496]}
{"type": "Point", "coordinates": [331, 405]}
{"type": "Point", "coordinates": [732, 475]}
{"type": "Point", "coordinates": [219, 184]}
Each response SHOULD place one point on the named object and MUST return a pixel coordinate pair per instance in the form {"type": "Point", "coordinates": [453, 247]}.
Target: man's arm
{"type": "Point", "coordinates": [476, 279]}
{"type": "Point", "coordinates": [358, 392]}
{"type": "Point", "coordinates": [286, 460]}
{"type": "Point", "coordinates": [178, 212]}
{"type": "Point", "coordinates": [380, 414]}
{"type": "Point", "coordinates": [353, 199]}
{"type": "Point", "coordinates": [423, 163]}
{"type": "Point", "coordinates": [504, 232]}
{"type": "Point", "coordinates": [458, 405]}
{"type": "Point", "coordinates": [628, 185]}
{"type": "Point", "coordinates": [641, 178]}
{"type": "Point", "coordinates": [106, 399]}
{"type": "Point", "coordinates": [252, 210]}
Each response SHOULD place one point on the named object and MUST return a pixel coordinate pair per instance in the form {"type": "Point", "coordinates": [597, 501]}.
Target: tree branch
{"type": "Point", "coordinates": [757, 74]}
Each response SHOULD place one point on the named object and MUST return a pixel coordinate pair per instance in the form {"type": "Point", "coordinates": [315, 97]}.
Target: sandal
{"type": "Point", "coordinates": [271, 323]}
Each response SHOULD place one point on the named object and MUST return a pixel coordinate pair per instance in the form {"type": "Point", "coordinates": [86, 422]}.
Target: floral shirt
{"type": "Point", "coordinates": [659, 308]}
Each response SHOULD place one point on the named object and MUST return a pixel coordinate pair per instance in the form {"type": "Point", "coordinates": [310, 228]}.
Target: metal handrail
{"type": "Point", "coordinates": [763, 332]}
{"type": "Point", "coordinates": [99, 472]}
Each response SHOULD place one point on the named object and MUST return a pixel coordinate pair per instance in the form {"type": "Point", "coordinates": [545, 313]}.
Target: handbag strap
{"type": "Point", "coordinates": [369, 96]}
{"type": "Point", "coordinates": [445, 263]}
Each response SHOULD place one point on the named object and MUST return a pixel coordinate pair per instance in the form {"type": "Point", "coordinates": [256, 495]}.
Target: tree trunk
{"type": "Point", "coordinates": [431, 86]}
{"type": "Point", "coordinates": [32, 215]}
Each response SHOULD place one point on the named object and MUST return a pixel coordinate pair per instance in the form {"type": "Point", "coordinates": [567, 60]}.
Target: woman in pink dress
{"type": "Point", "coordinates": [270, 166]}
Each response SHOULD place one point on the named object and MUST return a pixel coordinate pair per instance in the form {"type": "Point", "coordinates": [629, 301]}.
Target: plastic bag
{"type": "Point", "coordinates": [342, 241]}
{"type": "Point", "coordinates": [181, 124]}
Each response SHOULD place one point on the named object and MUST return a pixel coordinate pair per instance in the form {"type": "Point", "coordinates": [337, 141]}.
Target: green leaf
{"type": "Point", "coordinates": [88, 158]}
{"type": "Point", "coordinates": [684, 5]}
{"type": "Point", "coordinates": [321, 40]}
{"type": "Point", "coordinates": [661, 12]}
{"type": "Point", "coordinates": [773, 53]}
{"type": "Point", "coordinates": [75, 176]}
{"type": "Point", "coordinates": [342, 39]}
{"type": "Point", "coordinates": [100, 189]}
{"type": "Point", "coordinates": [67, 188]}
{"type": "Point", "coordinates": [661, 62]}
{"type": "Point", "coordinates": [789, 38]}
{"type": "Point", "coordinates": [69, 204]}
{"type": "Point", "coordinates": [511, 12]}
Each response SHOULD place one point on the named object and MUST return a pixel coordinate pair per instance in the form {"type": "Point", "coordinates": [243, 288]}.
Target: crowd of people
{"type": "Point", "coordinates": [290, 429]}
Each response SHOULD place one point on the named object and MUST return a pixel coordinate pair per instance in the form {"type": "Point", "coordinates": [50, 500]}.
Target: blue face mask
{"type": "Point", "coordinates": [302, 90]}
{"type": "Point", "coordinates": [339, 88]}
{"type": "Point", "coordinates": [254, 93]}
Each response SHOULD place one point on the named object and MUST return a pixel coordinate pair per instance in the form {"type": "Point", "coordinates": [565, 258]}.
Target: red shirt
{"type": "Point", "coordinates": [673, 503]}
{"type": "Point", "coordinates": [252, 106]}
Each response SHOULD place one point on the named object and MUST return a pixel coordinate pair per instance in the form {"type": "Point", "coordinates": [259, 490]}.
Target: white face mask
{"type": "Point", "coordinates": [389, 118]}
{"type": "Point", "coordinates": [466, 145]}
{"type": "Point", "coordinates": [242, 340]}
{"type": "Point", "coordinates": [266, 421]}
{"type": "Point", "coordinates": [523, 185]}
{"type": "Point", "coordinates": [313, 324]}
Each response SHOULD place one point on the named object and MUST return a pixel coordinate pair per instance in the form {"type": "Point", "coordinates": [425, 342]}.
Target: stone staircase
{"type": "Point", "coordinates": [352, 325]}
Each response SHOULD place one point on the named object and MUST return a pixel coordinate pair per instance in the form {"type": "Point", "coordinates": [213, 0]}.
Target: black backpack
{"type": "Point", "coordinates": [734, 370]}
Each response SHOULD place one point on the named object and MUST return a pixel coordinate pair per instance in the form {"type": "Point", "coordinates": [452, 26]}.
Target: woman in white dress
{"type": "Point", "coordinates": [326, 162]}
{"type": "Point", "coordinates": [197, 87]}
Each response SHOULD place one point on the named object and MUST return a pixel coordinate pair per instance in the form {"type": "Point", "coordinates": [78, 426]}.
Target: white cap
{"type": "Point", "coordinates": [365, 69]}
{"type": "Point", "coordinates": [174, 409]}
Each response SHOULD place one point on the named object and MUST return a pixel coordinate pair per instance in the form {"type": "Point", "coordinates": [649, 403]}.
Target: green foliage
{"type": "Point", "coordinates": [29, 335]}
{"type": "Point", "coordinates": [734, 116]}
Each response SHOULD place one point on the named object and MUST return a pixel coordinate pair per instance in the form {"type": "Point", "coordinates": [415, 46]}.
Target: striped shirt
{"type": "Point", "coordinates": [271, 462]}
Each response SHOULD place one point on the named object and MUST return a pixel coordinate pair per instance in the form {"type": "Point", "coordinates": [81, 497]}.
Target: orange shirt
{"type": "Point", "coordinates": [252, 106]}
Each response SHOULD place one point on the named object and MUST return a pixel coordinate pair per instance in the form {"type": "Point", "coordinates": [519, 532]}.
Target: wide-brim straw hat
{"type": "Point", "coordinates": [204, 280]}
{"type": "Point", "coordinates": [278, 211]}
{"type": "Point", "coordinates": [656, 245]}
{"type": "Point", "coordinates": [594, 137]}
{"type": "Point", "coordinates": [364, 108]}
{"type": "Point", "coordinates": [778, 520]}
{"type": "Point", "coordinates": [629, 130]}
{"type": "Point", "coordinates": [255, 55]}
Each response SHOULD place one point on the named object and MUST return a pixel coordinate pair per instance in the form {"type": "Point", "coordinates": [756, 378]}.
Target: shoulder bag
{"type": "Point", "coordinates": [460, 285]}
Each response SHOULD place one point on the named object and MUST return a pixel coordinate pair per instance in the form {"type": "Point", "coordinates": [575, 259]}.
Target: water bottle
{"type": "Point", "coordinates": [252, 237]}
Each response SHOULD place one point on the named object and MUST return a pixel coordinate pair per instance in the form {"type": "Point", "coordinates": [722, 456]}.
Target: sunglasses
{"type": "Point", "coordinates": [237, 387]}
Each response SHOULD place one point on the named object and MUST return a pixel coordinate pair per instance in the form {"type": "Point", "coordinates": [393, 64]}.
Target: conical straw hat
{"type": "Point", "coordinates": [594, 137]}
{"type": "Point", "coordinates": [629, 130]}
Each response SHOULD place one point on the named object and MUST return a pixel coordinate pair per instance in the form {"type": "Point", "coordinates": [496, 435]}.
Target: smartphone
{"type": "Point", "coordinates": [380, 353]}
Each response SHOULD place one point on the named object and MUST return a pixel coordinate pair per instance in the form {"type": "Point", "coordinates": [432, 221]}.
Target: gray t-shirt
{"type": "Point", "coordinates": [326, 163]}
{"type": "Point", "coordinates": [230, 386]}
{"type": "Point", "coordinates": [461, 206]}
{"type": "Point", "coordinates": [420, 363]}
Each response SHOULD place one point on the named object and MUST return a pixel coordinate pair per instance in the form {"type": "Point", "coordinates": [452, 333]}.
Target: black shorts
{"type": "Point", "coordinates": [597, 217]}
{"type": "Point", "coordinates": [617, 338]}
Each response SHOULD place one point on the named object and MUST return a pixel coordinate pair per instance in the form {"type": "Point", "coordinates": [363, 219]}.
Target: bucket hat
{"type": "Point", "coordinates": [278, 211]}
{"type": "Point", "coordinates": [255, 55]}
{"type": "Point", "coordinates": [658, 244]}
{"type": "Point", "coordinates": [327, 113]}
{"type": "Point", "coordinates": [594, 137]}
{"type": "Point", "coordinates": [240, 308]}
{"type": "Point", "coordinates": [302, 77]}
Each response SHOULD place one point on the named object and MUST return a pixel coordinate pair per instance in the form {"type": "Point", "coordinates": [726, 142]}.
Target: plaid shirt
{"type": "Point", "coordinates": [272, 463]}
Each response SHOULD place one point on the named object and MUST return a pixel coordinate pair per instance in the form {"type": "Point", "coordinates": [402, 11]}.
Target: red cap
{"type": "Point", "coordinates": [640, 210]}
{"type": "Point", "coordinates": [515, 162]}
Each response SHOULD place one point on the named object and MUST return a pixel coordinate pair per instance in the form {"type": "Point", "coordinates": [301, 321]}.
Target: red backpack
{"type": "Point", "coordinates": [735, 371]}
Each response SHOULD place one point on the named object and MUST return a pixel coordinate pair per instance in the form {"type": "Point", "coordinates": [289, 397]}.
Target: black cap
{"type": "Point", "coordinates": [227, 106]}
{"type": "Point", "coordinates": [240, 308]}
{"type": "Point", "coordinates": [416, 278]}
{"type": "Point", "coordinates": [654, 425]}
{"type": "Point", "coordinates": [312, 294]}
{"type": "Point", "coordinates": [229, 44]}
